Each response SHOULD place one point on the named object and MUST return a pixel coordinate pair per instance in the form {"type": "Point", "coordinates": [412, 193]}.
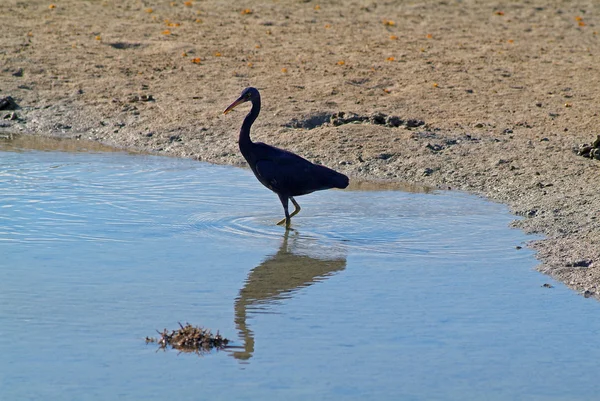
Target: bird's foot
{"type": "Point", "coordinates": [286, 221]}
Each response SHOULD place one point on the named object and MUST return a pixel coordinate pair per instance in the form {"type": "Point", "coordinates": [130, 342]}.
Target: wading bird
{"type": "Point", "coordinates": [283, 172]}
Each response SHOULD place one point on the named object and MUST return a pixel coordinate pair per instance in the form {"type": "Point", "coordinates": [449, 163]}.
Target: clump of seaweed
{"type": "Point", "coordinates": [189, 338]}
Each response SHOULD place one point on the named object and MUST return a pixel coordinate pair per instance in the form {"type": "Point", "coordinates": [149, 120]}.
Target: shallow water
{"type": "Point", "coordinates": [380, 295]}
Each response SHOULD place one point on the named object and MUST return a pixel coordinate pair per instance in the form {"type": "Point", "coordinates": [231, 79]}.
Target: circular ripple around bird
{"type": "Point", "coordinates": [119, 197]}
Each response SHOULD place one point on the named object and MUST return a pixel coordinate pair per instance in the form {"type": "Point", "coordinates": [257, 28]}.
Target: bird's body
{"type": "Point", "coordinates": [283, 172]}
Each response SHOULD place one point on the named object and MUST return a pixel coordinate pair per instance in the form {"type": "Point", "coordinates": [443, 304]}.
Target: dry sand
{"type": "Point", "coordinates": [507, 91]}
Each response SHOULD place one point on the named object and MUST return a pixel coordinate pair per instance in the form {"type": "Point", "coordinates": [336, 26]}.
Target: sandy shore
{"type": "Point", "coordinates": [506, 93]}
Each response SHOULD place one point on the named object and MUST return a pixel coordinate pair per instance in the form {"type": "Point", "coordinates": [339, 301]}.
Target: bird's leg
{"type": "Point", "coordinates": [284, 203]}
{"type": "Point", "coordinates": [297, 207]}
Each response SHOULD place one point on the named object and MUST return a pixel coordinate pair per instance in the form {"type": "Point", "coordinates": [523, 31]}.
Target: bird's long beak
{"type": "Point", "coordinates": [234, 105]}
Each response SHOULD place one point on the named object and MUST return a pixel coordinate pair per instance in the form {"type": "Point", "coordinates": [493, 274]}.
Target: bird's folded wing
{"type": "Point", "coordinates": [288, 173]}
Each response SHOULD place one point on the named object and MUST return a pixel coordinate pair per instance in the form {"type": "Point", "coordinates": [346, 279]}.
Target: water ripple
{"type": "Point", "coordinates": [116, 197]}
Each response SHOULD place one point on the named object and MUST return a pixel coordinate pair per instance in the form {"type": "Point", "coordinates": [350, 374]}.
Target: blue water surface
{"type": "Point", "coordinates": [381, 295]}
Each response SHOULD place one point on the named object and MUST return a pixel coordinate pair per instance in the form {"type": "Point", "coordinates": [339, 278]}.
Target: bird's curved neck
{"type": "Point", "coordinates": [248, 121]}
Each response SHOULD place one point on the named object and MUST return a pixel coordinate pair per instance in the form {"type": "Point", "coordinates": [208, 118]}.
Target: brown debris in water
{"type": "Point", "coordinates": [189, 338]}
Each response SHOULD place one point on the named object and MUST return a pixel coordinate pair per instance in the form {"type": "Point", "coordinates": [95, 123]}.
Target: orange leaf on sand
{"type": "Point", "coordinates": [196, 60]}
{"type": "Point", "coordinates": [393, 37]}
{"type": "Point", "coordinates": [284, 70]}
{"type": "Point", "coordinates": [51, 6]}
{"type": "Point", "coordinates": [149, 10]}
{"type": "Point", "coordinates": [188, 4]}
{"type": "Point", "coordinates": [391, 59]}
{"type": "Point", "coordinates": [341, 62]}
{"type": "Point", "coordinates": [166, 32]}
{"type": "Point", "coordinates": [246, 11]}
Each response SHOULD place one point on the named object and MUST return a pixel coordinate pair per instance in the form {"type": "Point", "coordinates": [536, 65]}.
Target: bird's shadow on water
{"type": "Point", "coordinates": [300, 262]}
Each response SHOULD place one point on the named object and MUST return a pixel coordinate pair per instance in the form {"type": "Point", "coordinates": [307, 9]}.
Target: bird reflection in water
{"type": "Point", "coordinates": [299, 263]}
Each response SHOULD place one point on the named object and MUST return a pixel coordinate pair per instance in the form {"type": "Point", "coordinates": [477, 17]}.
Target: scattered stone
{"type": "Point", "coordinates": [546, 285]}
{"type": "Point", "coordinates": [580, 263]}
{"type": "Point", "coordinates": [12, 116]}
{"type": "Point", "coordinates": [8, 103]}
{"type": "Point", "coordinates": [542, 185]}
{"type": "Point", "coordinates": [341, 118]}
{"type": "Point", "coordinates": [592, 151]}
{"type": "Point", "coordinates": [310, 122]}
{"type": "Point", "coordinates": [384, 156]}
{"type": "Point", "coordinates": [530, 213]}
{"type": "Point", "coordinates": [393, 121]}
{"type": "Point", "coordinates": [427, 171]}
{"type": "Point", "coordinates": [377, 119]}
{"type": "Point", "coordinates": [189, 338]}
{"type": "Point", "coordinates": [140, 98]}
{"type": "Point", "coordinates": [434, 147]}
{"type": "Point", "coordinates": [518, 247]}
{"type": "Point", "coordinates": [414, 123]}
{"type": "Point", "coordinates": [62, 126]}
{"type": "Point", "coordinates": [18, 73]}
{"type": "Point", "coordinates": [588, 294]}
{"type": "Point", "coordinates": [124, 45]}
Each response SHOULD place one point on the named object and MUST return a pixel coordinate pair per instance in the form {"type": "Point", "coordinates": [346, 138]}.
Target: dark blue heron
{"type": "Point", "coordinates": [283, 172]}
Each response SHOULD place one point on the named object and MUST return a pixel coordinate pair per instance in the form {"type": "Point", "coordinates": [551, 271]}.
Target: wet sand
{"type": "Point", "coordinates": [507, 93]}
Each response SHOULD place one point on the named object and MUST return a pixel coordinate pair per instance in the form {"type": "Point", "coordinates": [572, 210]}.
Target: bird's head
{"type": "Point", "coordinates": [248, 95]}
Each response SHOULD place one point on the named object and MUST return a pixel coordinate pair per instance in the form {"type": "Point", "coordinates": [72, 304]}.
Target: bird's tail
{"type": "Point", "coordinates": [340, 181]}
{"type": "Point", "coordinates": [333, 179]}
